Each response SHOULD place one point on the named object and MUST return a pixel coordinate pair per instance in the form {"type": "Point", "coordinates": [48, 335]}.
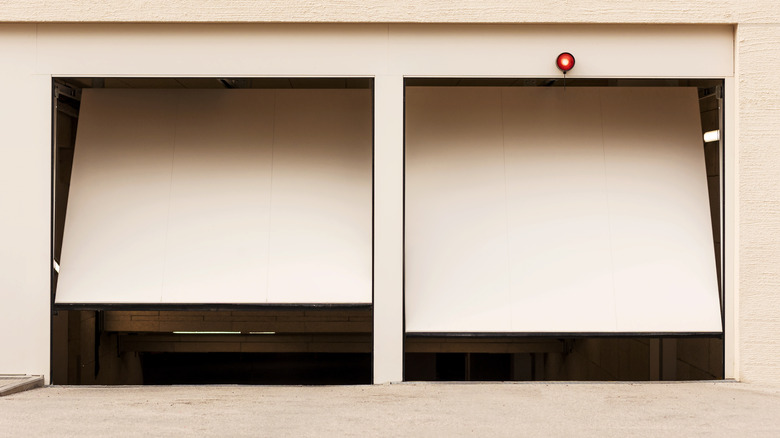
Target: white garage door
{"type": "Point", "coordinates": [220, 196]}
{"type": "Point", "coordinates": [544, 210]}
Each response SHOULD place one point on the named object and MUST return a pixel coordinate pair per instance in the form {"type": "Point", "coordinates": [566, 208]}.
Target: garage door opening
{"type": "Point", "coordinates": [269, 346]}
{"type": "Point", "coordinates": [563, 232]}
{"type": "Point", "coordinates": [212, 230]}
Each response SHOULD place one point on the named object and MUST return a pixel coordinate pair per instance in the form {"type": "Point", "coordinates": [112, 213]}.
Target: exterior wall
{"type": "Point", "coordinates": [758, 51]}
{"type": "Point", "coordinates": [755, 180]}
{"type": "Point", "coordinates": [432, 11]}
{"type": "Point", "coordinates": [24, 206]}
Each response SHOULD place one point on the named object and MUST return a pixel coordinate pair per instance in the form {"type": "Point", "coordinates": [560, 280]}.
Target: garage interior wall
{"type": "Point", "coordinates": [37, 52]}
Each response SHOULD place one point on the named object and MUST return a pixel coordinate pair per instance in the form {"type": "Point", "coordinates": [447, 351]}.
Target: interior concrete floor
{"type": "Point", "coordinates": [446, 410]}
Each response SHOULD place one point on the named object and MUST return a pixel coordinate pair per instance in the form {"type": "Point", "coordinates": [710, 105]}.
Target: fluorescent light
{"type": "Point", "coordinates": [711, 136]}
{"type": "Point", "coordinates": [56, 266]}
{"type": "Point", "coordinates": [206, 333]}
{"type": "Point", "coordinates": [222, 333]}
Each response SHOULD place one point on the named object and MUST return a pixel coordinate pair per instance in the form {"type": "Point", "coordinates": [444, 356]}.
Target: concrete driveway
{"type": "Point", "coordinates": [425, 410]}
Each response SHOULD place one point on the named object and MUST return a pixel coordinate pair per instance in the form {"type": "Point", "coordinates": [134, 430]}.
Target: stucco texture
{"type": "Point", "coordinates": [759, 203]}
{"type": "Point", "coordinates": [436, 11]}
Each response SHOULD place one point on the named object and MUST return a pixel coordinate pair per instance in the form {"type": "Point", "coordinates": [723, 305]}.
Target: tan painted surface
{"type": "Point", "coordinates": [388, 228]}
{"type": "Point", "coordinates": [24, 207]}
{"type": "Point", "coordinates": [30, 54]}
{"type": "Point", "coordinates": [436, 11]}
{"type": "Point", "coordinates": [759, 203]}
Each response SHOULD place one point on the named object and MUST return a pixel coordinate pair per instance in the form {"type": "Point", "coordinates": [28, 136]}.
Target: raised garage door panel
{"type": "Point", "coordinates": [664, 264]}
{"type": "Point", "coordinates": [559, 241]}
{"type": "Point", "coordinates": [220, 196]}
{"type": "Point", "coordinates": [597, 218]}
{"type": "Point", "coordinates": [321, 220]}
{"type": "Point", "coordinates": [455, 211]}
{"type": "Point", "coordinates": [113, 247]}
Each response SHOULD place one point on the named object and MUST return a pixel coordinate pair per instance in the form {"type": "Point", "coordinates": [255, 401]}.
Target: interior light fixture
{"type": "Point", "coordinates": [711, 136]}
{"type": "Point", "coordinates": [206, 333]}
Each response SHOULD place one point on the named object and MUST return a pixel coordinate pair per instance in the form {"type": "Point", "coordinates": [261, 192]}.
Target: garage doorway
{"type": "Point", "coordinates": [463, 326]}
{"type": "Point", "coordinates": [265, 274]}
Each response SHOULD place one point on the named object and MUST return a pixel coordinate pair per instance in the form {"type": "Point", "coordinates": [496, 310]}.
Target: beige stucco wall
{"type": "Point", "coordinates": [758, 51]}
{"type": "Point", "coordinates": [432, 11]}
{"type": "Point", "coordinates": [756, 123]}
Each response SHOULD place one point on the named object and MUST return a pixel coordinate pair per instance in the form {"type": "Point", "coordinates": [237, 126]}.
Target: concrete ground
{"type": "Point", "coordinates": [11, 384]}
{"type": "Point", "coordinates": [424, 410]}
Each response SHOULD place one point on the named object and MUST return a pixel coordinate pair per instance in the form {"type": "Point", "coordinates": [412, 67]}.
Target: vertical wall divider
{"type": "Point", "coordinates": [388, 228]}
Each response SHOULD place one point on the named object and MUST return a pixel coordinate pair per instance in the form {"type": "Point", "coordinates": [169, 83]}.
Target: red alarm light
{"type": "Point", "coordinates": [565, 62]}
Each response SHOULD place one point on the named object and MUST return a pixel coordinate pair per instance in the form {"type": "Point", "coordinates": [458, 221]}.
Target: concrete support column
{"type": "Point", "coordinates": [388, 228]}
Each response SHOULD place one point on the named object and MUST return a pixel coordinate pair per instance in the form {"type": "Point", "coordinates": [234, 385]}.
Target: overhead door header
{"type": "Point", "coordinates": [486, 50]}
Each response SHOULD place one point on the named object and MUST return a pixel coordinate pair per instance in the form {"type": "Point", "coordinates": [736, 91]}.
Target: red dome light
{"type": "Point", "coordinates": [565, 62]}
